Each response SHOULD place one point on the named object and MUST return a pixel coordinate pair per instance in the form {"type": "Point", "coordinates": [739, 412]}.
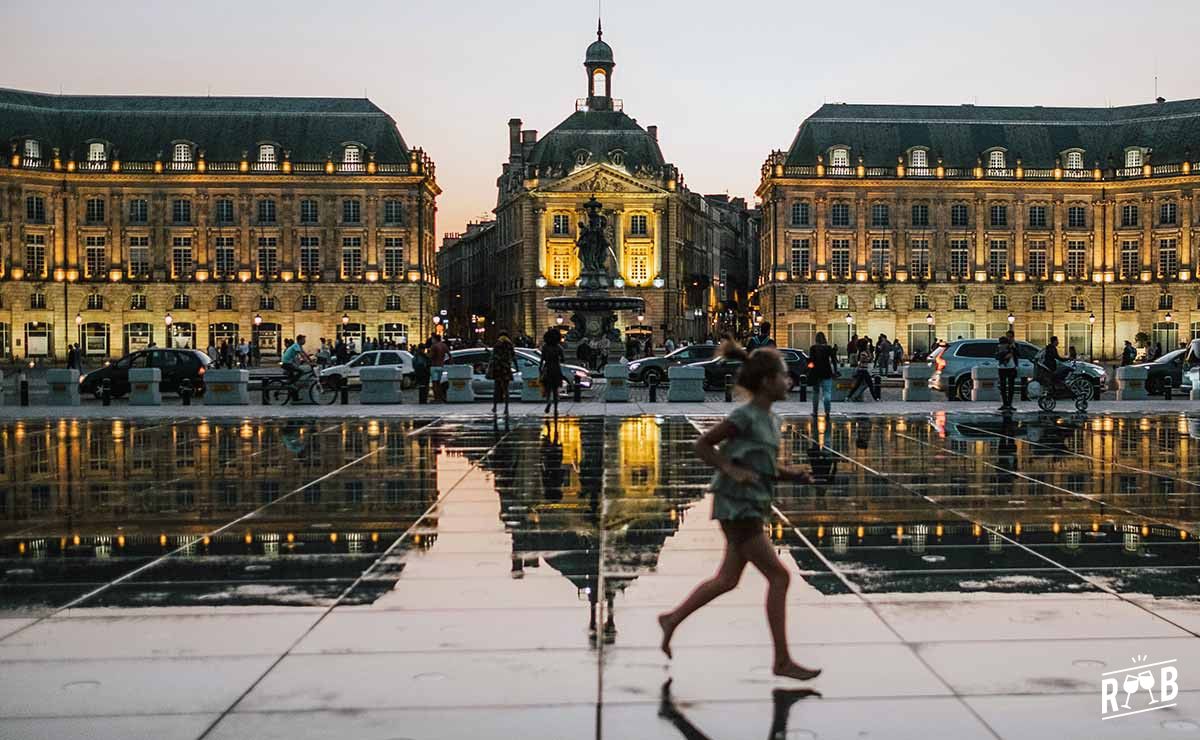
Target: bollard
{"type": "Point", "coordinates": [803, 390]}
{"type": "Point", "coordinates": [344, 391]}
{"type": "Point", "coordinates": [185, 391]}
{"type": "Point", "coordinates": [266, 391]}
{"type": "Point", "coordinates": [653, 390]}
{"type": "Point", "coordinates": [106, 392]}
{"type": "Point", "coordinates": [1167, 388]}
{"type": "Point", "coordinates": [577, 391]}
{"type": "Point", "coordinates": [423, 394]}
{"type": "Point", "coordinates": [728, 387]}
{"type": "Point", "coordinates": [24, 390]}
{"type": "Point", "coordinates": [1025, 388]}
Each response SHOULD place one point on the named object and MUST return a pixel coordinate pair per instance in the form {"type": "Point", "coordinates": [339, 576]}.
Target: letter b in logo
{"type": "Point", "coordinates": [1169, 683]}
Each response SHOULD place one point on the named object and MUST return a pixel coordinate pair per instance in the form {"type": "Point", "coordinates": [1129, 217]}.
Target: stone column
{"type": "Point", "coordinates": [659, 246]}
{"type": "Point", "coordinates": [618, 216]}
{"type": "Point", "coordinates": [371, 252]}
{"type": "Point", "coordinates": [1146, 214]}
{"type": "Point", "coordinates": [1185, 235]}
{"type": "Point", "coordinates": [1015, 249]}
{"type": "Point", "coordinates": [981, 224]}
{"type": "Point", "coordinates": [862, 255]}
{"type": "Point", "coordinates": [1056, 260]}
{"type": "Point", "coordinates": [203, 247]}
{"type": "Point", "coordinates": [820, 248]}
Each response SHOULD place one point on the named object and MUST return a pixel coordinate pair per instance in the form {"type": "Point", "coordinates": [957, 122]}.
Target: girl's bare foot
{"type": "Point", "coordinates": [795, 670]}
{"type": "Point", "coordinates": [668, 628]}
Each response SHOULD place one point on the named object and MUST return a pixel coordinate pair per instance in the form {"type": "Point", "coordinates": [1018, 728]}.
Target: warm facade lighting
{"type": "Point", "coordinates": [1019, 276]}
{"type": "Point", "coordinates": [372, 275]}
{"type": "Point", "coordinates": [244, 276]}
{"type": "Point", "coordinates": [287, 276]}
{"type": "Point", "coordinates": [201, 275]}
{"type": "Point", "coordinates": [1146, 276]}
{"type": "Point", "coordinates": [861, 276]}
{"type": "Point", "coordinates": [114, 276]}
{"type": "Point", "coordinates": [822, 275]}
{"type": "Point", "coordinates": [981, 276]}
{"type": "Point", "coordinates": [17, 273]}
{"type": "Point", "coordinates": [1059, 276]}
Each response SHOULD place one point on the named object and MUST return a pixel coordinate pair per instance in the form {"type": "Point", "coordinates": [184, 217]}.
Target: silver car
{"type": "Point", "coordinates": [375, 358]}
{"type": "Point", "coordinates": [952, 366]}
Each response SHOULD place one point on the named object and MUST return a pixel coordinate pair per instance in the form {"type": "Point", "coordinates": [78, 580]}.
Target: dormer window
{"type": "Point", "coordinates": [839, 157]}
{"type": "Point", "coordinates": [96, 152]}
{"type": "Point", "coordinates": [1133, 158]}
{"type": "Point", "coordinates": [1075, 160]}
{"type": "Point", "coordinates": [351, 157]}
{"type": "Point", "coordinates": [996, 160]}
{"type": "Point", "coordinates": [182, 153]}
{"type": "Point", "coordinates": [33, 149]}
{"type": "Point", "coordinates": [266, 153]}
{"type": "Point", "coordinates": [918, 159]}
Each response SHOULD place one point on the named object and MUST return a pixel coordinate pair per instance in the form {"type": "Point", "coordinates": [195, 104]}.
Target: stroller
{"type": "Point", "coordinates": [1044, 386]}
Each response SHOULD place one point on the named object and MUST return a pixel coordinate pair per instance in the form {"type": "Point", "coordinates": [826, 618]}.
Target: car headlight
{"type": "Point", "coordinates": [81, 378]}
{"type": "Point", "coordinates": [634, 366]}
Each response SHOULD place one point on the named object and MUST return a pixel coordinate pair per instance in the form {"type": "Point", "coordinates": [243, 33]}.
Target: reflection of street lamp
{"type": "Point", "coordinates": [929, 333]}
{"type": "Point", "coordinates": [1091, 327]}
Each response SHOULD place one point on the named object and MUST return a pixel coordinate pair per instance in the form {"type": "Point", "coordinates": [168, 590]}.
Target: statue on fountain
{"type": "Point", "coordinates": [593, 248]}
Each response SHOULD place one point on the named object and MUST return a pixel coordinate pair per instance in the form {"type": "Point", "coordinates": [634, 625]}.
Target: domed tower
{"type": "Point", "coordinates": [599, 65]}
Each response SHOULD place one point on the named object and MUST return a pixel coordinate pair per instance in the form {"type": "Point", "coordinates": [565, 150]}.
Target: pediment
{"type": "Point", "coordinates": [599, 179]}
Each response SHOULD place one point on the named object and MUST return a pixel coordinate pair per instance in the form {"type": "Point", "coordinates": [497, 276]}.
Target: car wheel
{"type": "Point", "coordinates": [654, 376]}
{"type": "Point", "coordinates": [962, 389]}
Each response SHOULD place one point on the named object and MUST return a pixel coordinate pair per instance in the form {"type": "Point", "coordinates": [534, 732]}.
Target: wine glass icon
{"type": "Point", "coordinates": [1146, 681]}
{"type": "Point", "coordinates": [1130, 685]}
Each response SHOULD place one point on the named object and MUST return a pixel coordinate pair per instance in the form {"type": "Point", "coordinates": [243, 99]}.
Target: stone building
{"type": "Point", "coordinates": [599, 151]}
{"type": "Point", "coordinates": [187, 221]}
{"type": "Point", "coordinates": [949, 221]}
{"type": "Point", "coordinates": [467, 279]}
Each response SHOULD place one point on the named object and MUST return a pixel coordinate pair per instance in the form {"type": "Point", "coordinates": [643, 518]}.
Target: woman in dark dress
{"type": "Point", "coordinates": [550, 368]}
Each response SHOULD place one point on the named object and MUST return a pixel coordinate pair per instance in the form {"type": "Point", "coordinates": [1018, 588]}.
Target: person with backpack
{"type": "Point", "coordinates": [822, 367]}
{"type": "Point", "coordinates": [1006, 358]}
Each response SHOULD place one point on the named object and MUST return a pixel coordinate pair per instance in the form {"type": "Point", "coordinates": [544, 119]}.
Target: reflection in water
{"type": "Point", "coordinates": [781, 707]}
{"type": "Point", "coordinates": [85, 502]}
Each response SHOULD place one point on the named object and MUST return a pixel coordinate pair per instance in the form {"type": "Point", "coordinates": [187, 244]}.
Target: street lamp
{"type": "Point", "coordinates": [641, 318]}
{"type": "Point", "coordinates": [1091, 327]}
{"type": "Point", "coordinates": [559, 319]}
{"type": "Point", "coordinates": [929, 333]}
{"type": "Point", "coordinates": [1011, 319]}
{"type": "Point", "coordinates": [168, 321]}
{"type": "Point", "coordinates": [79, 330]}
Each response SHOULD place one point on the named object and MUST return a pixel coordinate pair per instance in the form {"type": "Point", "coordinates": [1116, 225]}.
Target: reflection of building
{"type": "Point", "coordinates": [668, 246]}
{"type": "Point", "coordinates": [890, 213]}
{"type": "Point", "coordinates": [121, 210]}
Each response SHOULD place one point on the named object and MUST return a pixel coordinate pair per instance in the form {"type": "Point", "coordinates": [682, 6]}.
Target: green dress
{"type": "Point", "coordinates": [756, 446]}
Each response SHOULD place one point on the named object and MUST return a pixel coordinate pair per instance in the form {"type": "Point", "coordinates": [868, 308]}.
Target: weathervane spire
{"type": "Point", "coordinates": [599, 16]}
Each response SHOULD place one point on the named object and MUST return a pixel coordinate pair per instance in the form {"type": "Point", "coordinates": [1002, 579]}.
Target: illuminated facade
{"type": "Point", "coordinates": [657, 253]}
{"type": "Point", "coordinates": [221, 212]}
{"type": "Point", "coordinates": [942, 221]}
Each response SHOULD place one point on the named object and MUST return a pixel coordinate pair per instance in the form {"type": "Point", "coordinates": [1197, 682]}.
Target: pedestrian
{"type": "Point", "coordinates": [883, 354]}
{"type": "Point", "coordinates": [421, 372]}
{"type": "Point", "coordinates": [1128, 354]}
{"type": "Point", "coordinates": [211, 352]}
{"type": "Point", "coordinates": [1156, 352]}
{"type": "Point", "coordinates": [585, 354]}
{"type": "Point", "coordinates": [439, 352]}
{"type": "Point", "coordinates": [669, 345]}
{"type": "Point", "coordinates": [243, 353]}
{"type": "Point", "coordinates": [822, 367]}
{"type": "Point", "coordinates": [632, 348]}
{"type": "Point", "coordinates": [72, 357]}
{"type": "Point", "coordinates": [743, 448]}
{"type": "Point", "coordinates": [648, 348]}
{"type": "Point", "coordinates": [226, 354]}
{"type": "Point", "coordinates": [862, 372]}
{"type": "Point", "coordinates": [1006, 359]}
{"type": "Point", "coordinates": [761, 338]}
{"type": "Point", "coordinates": [500, 369]}
{"type": "Point", "coordinates": [550, 367]}
{"type": "Point", "coordinates": [1191, 357]}
{"type": "Point", "coordinates": [897, 355]}
{"type": "Point", "coordinates": [602, 348]}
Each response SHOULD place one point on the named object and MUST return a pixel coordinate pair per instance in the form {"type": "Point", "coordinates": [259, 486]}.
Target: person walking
{"type": "Point", "coordinates": [1006, 359]}
{"type": "Point", "coordinates": [1128, 354]}
{"type": "Point", "coordinates": [500, 369]}
{"type": "Point", "coordinates": [744, 449]}
{"type": "Point", "coordinates": [669, 345]}
{"type": "Point", "coordinates": [862, 372]}
{"type": "Point", "coordinates": [761, 338]}
{"type": "Point", "coordinates": [421, 372]}
{"type": "Point", "coordinates": [897, 355]}
{"type": "Point", "coordinates": [550, 368]}
{"type": "Point", "coordinates": [883, 354]}
{"type": "Point", "coordinates": [72, 357]}
{"type": "Point", "coordinates": [822, 367]}
{"type": "Point", "coordinates": [439, 351]}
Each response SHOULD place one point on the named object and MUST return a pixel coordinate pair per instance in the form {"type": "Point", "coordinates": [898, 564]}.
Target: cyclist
{"type": "Point", "coordinates": [294, 360]}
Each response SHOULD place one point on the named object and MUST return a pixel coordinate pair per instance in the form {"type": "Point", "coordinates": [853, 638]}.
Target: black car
{"type": "Point", "coordinates": [1169, 367]}
{"type": "Point", "coordinates": [174, 364]}
{"type": "Point", "coordinates": [644, 369]}
{"type": "Point", "coordinates": [717, 368]}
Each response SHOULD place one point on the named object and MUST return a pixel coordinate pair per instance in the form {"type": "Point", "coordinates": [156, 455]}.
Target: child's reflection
{"type": "Point", "coordinates": [782, 701]}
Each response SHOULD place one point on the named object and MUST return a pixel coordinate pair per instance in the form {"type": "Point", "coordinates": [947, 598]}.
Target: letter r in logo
{"type": "Point", "coordinates": [1108, 688]}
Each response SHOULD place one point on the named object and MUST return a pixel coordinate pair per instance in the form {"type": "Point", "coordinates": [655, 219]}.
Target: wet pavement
{"type": "Point", "coordinates": [956, 575]}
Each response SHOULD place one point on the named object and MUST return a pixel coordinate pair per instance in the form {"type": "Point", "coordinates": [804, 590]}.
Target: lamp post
{"type": "Point", "coordinates": [168, 321]}
{"type": "Point", "coordinates": [1011, 320]}
{"type": "Point", "coordinates": [79, 331]}
{"type": "Point", "coordinates": [257, 323]}
{"type": "Point", "coordinates": [849, 324]}
{"type": "Point", "coordinates": [929, 333]}
{"type": "Point", "coordinates": [1091, 327]}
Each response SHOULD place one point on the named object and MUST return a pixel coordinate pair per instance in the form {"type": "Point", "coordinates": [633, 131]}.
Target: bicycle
{"type": "Point", "coordinates": [319, 390]}
{"type": "Point", "coordinates": [1077, 383]}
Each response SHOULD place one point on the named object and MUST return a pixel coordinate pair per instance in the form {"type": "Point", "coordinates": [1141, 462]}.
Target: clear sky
{"type": "Point", "coordinates": [726, 82]}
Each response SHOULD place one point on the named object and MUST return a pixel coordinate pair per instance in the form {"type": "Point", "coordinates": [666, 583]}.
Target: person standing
{"type": "Point", "coordinates": [72, 357]}
{"type": "Point", "coordinates": [761, 338]}
{"type": "Point", "coordinates": [883, 354]}
{"type": "Point", "coordinates": [897, 355]}
{"type": "Point", "coordinates": [438, 352]}
{"type": "Point", "coordinates": [602, 347]}
{"type": "Point", "coordinates": [500, 369]}
{"type": "Point", "coordinates": [669, 345]}
{"type": "Point", "coordinates": [1006, 359]}
{"type": "Point", "coordinates": [822, 367]}
{"type": "Point", "coordinates": [550, 367]}
{"type": "Point", "coordinates": [1128, 354]}
{"type": "Point", "coordinates": [212, 352]}
{"type": "Point", "coordinates": [744, 449]}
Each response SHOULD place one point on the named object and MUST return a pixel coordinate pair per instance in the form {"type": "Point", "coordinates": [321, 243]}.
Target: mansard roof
{"type": "Point", "coordinates": [961, 134]}
{"type": "Point", "coordinates": [143, 126]}
{"type": "Point", "coordinates": [600, 134]}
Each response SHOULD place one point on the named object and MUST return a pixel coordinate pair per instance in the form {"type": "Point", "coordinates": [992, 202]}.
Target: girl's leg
{"type": "Point", "coordinates": [827, 393]}
{"type": "Point", "coordinates": [758, 550]}
{"type": "Point", "coordinates": [725, 580]}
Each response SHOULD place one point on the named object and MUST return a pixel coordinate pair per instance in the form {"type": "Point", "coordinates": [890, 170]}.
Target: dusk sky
{"type": "Point", "coordinates": [725, 82]}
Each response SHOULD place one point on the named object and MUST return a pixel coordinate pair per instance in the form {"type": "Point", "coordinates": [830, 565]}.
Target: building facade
{"type": "Point", "coordinates": [948, 222]}
{"type": "Point", "coordinates": [468, 279]}
{"type": "Point", "coordinates": [127, 221]}
{"type": "Point", "coordinates": [600, 151]}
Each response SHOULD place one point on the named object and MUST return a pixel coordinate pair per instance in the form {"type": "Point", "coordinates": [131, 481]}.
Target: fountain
{"type": "Point", "coordinates": [592, 309]}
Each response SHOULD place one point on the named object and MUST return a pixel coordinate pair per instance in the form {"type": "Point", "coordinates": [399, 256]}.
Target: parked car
{"type": "Point", "coordinates": [717, 368]}
{"type": "Point", "coordinates": [375, 358]}
{"type": "Point", "coordinates": [647, 368]}
{"type": "Point", "coordinates": [1168, 367]}
{"type": "Point", "coordinates": [480, 357]}
{"type": "Point", "coordinates": [174, 364]}
{"type": "Point", "coordinates": [952, 367]}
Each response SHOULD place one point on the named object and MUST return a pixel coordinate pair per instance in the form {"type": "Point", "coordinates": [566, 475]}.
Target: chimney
{"type": "Point", "coordinates": [529, 137]}
{"type": "Point", "coordinates": [653, 131]}
{"type": "Point", "coordinates": [514, 137]}
{"type": "Point", "coordinates": [1160, 100]}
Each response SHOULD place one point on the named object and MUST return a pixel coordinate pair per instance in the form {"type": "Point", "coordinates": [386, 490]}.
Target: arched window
{"type": "Point", "coordinates": [996, 160]}
{"type": "Point", "coordinates": [266, 153]}
{"type": "Point", "coordinates": [1133, 157]}
{"type": "Point", "coordinates": [350, 303]}
{"type": "Point", "coordinates": [266, 303]}
{"type": "Point", "coordinates": [1075, 160]}
{"type": "Point", "coordinates": [839, 157]}
{"type": "Point", "coordinates": [600, 83]}
{"type": "Point", "coordinates": [182, 153]}
{"type": "Point", "coordinates": [33, 149]}
{"type": "Point", "coordinates": [96, 152]}
{"type": "Point", "coordinates": [918, 159]}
